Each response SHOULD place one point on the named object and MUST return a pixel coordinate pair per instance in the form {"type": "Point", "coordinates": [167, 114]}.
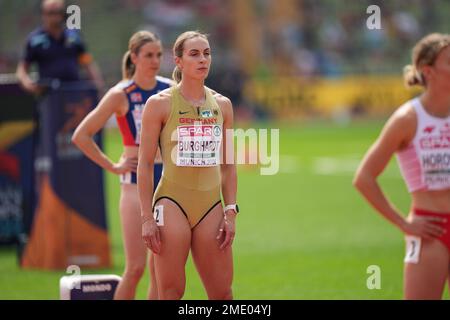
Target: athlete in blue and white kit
{"type": "Point", "coordinates": [126, 101]}
{"type": "Point", "coordinates": [130, 123]}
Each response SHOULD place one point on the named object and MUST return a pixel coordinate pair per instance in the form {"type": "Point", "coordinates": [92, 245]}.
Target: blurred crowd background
{"type": "Point", "coordinates": [253, 41]}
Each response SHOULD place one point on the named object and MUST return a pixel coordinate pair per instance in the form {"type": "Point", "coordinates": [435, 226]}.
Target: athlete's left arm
{"type": "Point", "coordinates": [228, 171]}
{"type": "Point", "coordinates": [228, 167]}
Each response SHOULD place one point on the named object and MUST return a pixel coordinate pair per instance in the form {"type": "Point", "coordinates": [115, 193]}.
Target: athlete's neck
{"type": "Point", "coordinates": [436, 103]}
{"type": "Point", "coordinates": [144, 81]}
{"type": "Point", "coordinates": [193, 91]}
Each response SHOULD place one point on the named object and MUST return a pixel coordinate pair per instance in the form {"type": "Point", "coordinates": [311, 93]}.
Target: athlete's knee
{"type": "Point", "coordinates": [134, 272]}
{"type": "Point", "coordinates": [171, 293]}
{"type": "Point", "coordinates": [225, 294]}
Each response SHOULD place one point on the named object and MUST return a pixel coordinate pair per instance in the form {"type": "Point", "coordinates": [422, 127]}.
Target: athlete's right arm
{"type": "Point", "coordinates": [397, 132]}
{"type": "Point", "coordinates": [111, 103]}
{"type": "Point", "coordinates": [152, 122]}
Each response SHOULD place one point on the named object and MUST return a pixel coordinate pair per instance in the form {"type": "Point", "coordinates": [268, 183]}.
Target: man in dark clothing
{"type": "Point", "coordinates": [57, 51]}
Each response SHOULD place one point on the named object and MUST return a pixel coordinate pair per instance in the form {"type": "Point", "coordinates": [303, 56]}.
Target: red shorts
{"type": "Point", "coordinates": [445, 238]}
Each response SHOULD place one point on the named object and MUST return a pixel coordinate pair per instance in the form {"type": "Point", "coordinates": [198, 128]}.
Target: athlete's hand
{"type": "Point", "coordinates": [424, 227]}
{"type": "Point", "coordinates": [151, 236]}
{"type": "Point", "coordinates": [125, 165]}
{"type": "Point", "coordinates": [227, 226]}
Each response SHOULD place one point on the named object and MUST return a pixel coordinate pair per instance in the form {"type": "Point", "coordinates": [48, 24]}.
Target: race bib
{"type": "Point", "coordinates": [413, 246]}
{"type": "Point", "coordinates": [199, 145]}
{"type": "Point", "coordinates": [158, 215]}
{"type": "Point", "coordinates": [137, 117]}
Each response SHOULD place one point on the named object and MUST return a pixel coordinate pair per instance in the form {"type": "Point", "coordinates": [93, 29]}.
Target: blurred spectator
{"type": "Point", "coordinates": [173, 13]}
{"type": "Point", "coordinates": [331, 35]}
{"type": "Point", "coordinates": [57, 51]}
{"type": "Point", "coordinates": [3, 63]}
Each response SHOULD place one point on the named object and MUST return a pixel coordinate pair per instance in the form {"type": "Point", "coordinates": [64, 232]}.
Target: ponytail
{"type": "Point", "coordinates": [128, 66]}
{"type": "Point", "coordinates": [176, 74]}
{"type": "Point", "coordinates": [412, 76]}
{"type": "Point", "coordinates": [424, 53]}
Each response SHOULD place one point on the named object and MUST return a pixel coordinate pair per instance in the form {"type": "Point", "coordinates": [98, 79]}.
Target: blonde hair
{"type": "Point", "coordinates": [135, 44]}
{"type": "Point", "coordinates": [178, 49]}
{"type": "Point", "coordinates": [424, 53]}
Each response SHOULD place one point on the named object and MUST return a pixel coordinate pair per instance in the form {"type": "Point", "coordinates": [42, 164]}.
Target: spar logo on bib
{"type": "Point", "coordinates": [199, 145]}
{"type": "Point", "coordinates": [194, 131]}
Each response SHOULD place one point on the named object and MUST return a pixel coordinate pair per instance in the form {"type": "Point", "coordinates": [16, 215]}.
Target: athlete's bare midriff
{"type": "Point", "coordinates": [437, 201]}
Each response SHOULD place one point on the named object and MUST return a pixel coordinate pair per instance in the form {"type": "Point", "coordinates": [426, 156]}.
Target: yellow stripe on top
{"type": "Point", "coordinates": [191, 142]}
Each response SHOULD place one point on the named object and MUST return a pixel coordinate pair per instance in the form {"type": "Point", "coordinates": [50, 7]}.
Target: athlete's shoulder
{"type": "Point", "coordinates": [158, 105]}
{"type": "Point", "coordinates": [405, 114]}
{"type": "Point", "coordinates": [127, 86]}
{"type": "Point", "coordinates": [114, 100]}
{"type": "Point", "coordinates": [117, 91]}
{"type": "Point", "coordinates": [402, 123]}
{"type": "Point", "coordinates": [161, 97]}
{"type": "Point", "coordinates": [124, 84]}
{"type": "Point", "coordinates": [166, 82]}
{"type": "Point", "coordinates": [222, 100]}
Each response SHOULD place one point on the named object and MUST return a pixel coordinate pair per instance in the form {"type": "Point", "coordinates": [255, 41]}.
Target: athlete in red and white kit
{"type": "Point", "coordinates": [419, 133]}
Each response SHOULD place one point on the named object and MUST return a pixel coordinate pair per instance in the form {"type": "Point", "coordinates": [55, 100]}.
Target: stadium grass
{"type": "Point", "coordinates": [304, 233]}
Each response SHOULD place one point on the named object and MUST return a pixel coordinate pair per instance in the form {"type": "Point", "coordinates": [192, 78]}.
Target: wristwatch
{"type": "Point", "coordinates": [234, 207]}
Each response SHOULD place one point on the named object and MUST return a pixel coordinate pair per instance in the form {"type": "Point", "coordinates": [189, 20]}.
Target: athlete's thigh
{"type": "Point", "coordinates": [426, 278]}
{"type": "Point", "coordinates": [175, 233]}
{"type": "Point", "coordinates": [153, 289]}
{"type": "Point", "coordinates": [135, 249]}
{"type": "Point", "coordinates": [448, 271]}
{"type": "Point", "coordinates": [214, 265]}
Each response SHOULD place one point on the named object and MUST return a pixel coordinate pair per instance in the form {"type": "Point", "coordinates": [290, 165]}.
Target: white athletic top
{"type": "Point", "coordinates": [425, 163]}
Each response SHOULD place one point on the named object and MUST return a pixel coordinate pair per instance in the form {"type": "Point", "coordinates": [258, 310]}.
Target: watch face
{"type": "Point", "coordinates": [237, 208]}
